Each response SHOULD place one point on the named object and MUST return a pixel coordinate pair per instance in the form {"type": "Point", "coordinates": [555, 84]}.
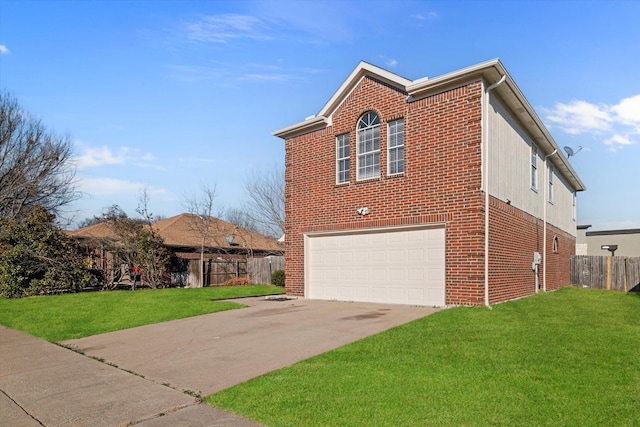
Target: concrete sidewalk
{"type": "Point", "coordinates": [45, 384]}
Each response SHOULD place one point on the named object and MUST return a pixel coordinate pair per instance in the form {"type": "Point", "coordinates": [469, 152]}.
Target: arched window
{"type": "Point", "coordinates": [368, 146]}
{"type": "Point", "coordinates": [554, 248]}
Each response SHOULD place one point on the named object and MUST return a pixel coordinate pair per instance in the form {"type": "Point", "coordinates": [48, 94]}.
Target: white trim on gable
{"type": "Point", "coordinates": [488, 72]}
{"type": "Point", "coordinates": [363, 69]}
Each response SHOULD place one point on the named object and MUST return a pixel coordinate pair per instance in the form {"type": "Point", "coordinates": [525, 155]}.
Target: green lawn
{"type": "Point", "coordinates": [567, 358]}
{"type": "Point", "coordinates": [60, 317]}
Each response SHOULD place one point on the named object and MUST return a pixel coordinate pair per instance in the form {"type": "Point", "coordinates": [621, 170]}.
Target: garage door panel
{"type": "Point", "coordinates": [378, 293]}
{"type": "Point", "coordinates": [416, 294]}
{"type": "Point", "coordinates": [416, 274]}
{"type": "Point", "coordinates": [404, 266]}
{"type": "Point", "coordinates": [396, 255]}
{"type": "Point", "coordinates": [378, 256]}
{"type": "Point", "coordinates": [418, 255]}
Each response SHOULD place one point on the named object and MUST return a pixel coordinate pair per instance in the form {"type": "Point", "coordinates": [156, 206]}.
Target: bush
{"type": "Point", "coordinates": [237, 281]}
{"type": "Point", "coordinates": [37, 258]}
{"type": "Point", "coordinates": [277, 278]}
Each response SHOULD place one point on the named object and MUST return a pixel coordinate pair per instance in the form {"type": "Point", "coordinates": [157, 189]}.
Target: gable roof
{"type": "Point", "coordinates": [490, 72]}
{"type": "Point", "coordinates": [101, 230]}
{"type": "Point", "coordinates": [181, 231]}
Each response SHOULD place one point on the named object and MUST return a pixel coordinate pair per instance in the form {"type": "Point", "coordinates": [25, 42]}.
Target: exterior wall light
{"type": "Point", "coordinates": [610, 248]}
{"type": "Point", "coordinates": [362, 211]}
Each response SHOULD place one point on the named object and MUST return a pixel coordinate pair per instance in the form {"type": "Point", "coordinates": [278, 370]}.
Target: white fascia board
{"type": "Point", "coordinates": [323, 118]}
{"type": "Point", "coordinates": [363, 69]}
{"type": "Point", "coordinates": [430, 85]}
{"type": "Point", "coordinates": [313, 123]}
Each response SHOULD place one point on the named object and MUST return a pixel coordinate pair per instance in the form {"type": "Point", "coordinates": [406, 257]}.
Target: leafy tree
{"type": "Point", "coordinates": [37, 258]}
{"type": "Point", "coordinates": [36, 167]}
{"type": "Point", "coordinates": [152, 257]}
{"type": "Point", "coordinates": [135, 242]}
{"type": "Point", "coordinates": [151, 253]}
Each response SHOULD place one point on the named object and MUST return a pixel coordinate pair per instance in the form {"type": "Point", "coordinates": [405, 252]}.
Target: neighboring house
{"type": "Point", "coordinates": [225, 245]}
{"type": "Point", "coordinates": [438, 192]}
{"type": "Point", "coordinates": [626, 242]}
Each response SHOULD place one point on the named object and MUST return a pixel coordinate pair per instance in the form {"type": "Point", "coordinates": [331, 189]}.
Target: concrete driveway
{"type": "Point", "coordinates": [209, 353]}
{"type": "Point", "coordinates": [198, 355]}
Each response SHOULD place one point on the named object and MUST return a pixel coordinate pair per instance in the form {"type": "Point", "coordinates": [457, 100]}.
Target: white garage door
{"type": "Point", "coordinates": [398, 267]}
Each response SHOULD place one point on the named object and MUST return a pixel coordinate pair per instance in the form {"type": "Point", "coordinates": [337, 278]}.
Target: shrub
{"type": "Point", "coordinates": [37, 258]}
{"type": "Point", "coordinates": [237, 281]}
{"type": "Point", "coordinates": [277, 278]}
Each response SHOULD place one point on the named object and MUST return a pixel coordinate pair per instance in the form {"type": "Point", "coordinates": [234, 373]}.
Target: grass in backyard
{"type": "Point", "coordinates": [61, 317]}
{"type": "Point", "coordinates": [567, 358]}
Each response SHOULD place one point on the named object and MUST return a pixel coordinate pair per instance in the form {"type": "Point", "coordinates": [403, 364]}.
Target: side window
{"type": "Point", "coordinates": [555, 245]}
{"type": "Point", "coordinates": [396, 147]}
{"type": "Point", "coordinates": [534, 167]}
{"type": "Point", "coordinates": [550, 184]}
{"type": "Point", "coordinates": [368, 147]}
{"type": "Point", "coordinates": [342, 158]}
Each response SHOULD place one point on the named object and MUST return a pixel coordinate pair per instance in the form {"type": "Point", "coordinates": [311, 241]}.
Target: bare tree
{"type": "Point", "coordinates": [201, 207]}
{"type": "Point", "coordinates": [122, 245]}
{"type": "Point", "coordinates": [240, 218]}
{"type": "Point", "coordinates": [36, 166]}
{"type": "Point", "coordinates": [265, 203]}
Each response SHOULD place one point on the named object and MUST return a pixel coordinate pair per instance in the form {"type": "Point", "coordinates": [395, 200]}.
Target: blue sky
{"type": "Point", "coordinates": [173, 95]}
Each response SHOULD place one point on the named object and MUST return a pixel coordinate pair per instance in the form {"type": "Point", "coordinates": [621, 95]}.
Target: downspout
{"type": "Point", "coordinates": [485, 131]}
{"type": "Point", "coordinates": [544, 221]}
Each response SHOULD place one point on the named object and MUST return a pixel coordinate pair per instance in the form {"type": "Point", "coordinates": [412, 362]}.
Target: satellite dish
{"type": "Point", "coordinates": [570, 151]}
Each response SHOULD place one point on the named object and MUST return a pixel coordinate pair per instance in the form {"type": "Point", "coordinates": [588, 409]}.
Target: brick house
{"type": "Point", "coordinates": [440, 191]}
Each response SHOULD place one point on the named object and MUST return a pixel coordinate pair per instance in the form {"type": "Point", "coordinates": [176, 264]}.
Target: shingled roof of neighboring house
{"type": "Point", "coordinates": [182, 231]}
{"type": "Point", "coordinates": [101, 230]}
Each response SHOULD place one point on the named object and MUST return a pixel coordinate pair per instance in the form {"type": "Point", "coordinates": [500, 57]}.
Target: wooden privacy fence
{"type": "Point", "coordinates": [217, 271]}
{"type": "Point", "coordinates": [260, 269]}
{"type": "Point", "coordinates": [606, 272]}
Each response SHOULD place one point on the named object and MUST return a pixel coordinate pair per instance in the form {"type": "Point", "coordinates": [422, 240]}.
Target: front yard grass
{"type": "Point", "coordinates": [61, 317]}
{"type": "Point", "coordinates": [567, 358]}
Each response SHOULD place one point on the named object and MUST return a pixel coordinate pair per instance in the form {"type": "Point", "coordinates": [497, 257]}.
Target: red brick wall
{"type": "Point", "coordinates": [513, 238]}
{"type": "Point", "coordinates": [441, 183]}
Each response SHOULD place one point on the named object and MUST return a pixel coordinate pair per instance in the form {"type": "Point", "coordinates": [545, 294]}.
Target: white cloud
{"type": "Point", "coordinates": [616, 125]}
{"type": "Point", "coordinates": [627, 111]}
{"type": "Point", "coordinates": [4, 50]}
{"type": "Point", "coordinates": [99, 156]}
{"type": "Point", "coordinates": [618, 141]}
{"type": "Point", "coordinates": [109, 186]}
{"type": "Point", "coordinates": [579, 117]}
{"type": "Point", "coordinates": [392, 63]}
{"type": "Point", "coordinates": [221, 28]}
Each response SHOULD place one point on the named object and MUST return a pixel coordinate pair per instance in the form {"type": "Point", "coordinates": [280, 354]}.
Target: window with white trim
{"type": "Point", "coordinates": [395, 147]}
{"type": "Point", "coordinates": [343, 162]}
{"type": "Point", "coordinates": [534, 167]}
{"type": "Point", "coordinates": [550, 184]}
{"type": "Point", "coordinates": [368, 146]}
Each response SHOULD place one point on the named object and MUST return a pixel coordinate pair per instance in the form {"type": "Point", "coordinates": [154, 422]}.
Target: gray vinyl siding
{"type": "Point", "coordinates": [509, 177]}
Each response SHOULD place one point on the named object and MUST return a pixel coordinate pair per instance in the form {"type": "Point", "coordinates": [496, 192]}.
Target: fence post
{"type": "Point", "coordinates": [608, 273]}
{"type": "Point", "coordinates": [625, 274]}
